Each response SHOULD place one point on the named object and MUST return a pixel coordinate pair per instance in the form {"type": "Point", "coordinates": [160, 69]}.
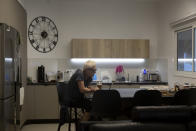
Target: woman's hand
{"type": "Point", "coordinates": [93, 89]}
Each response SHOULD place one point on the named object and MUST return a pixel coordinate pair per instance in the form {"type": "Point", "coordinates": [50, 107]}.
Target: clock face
{"type": "Point", "coordinates": [43, 34]}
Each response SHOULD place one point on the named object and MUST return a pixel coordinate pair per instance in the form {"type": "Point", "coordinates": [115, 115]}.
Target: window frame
{"type": "Point", "coordinates": [181, 28]}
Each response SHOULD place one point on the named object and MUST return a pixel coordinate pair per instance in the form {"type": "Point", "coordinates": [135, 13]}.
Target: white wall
{"type": "Point", "coordinates": [172, 10]}
{"type": "Point", "coordinates": [95, 19]}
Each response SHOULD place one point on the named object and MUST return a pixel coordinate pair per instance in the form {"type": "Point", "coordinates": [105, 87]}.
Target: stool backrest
{"type": "Point", "coordinates": [64, 93]}
{"type": "Point", "coordinates": [147, 98]}
{"type": "Point", "coordinates": [106, 103]}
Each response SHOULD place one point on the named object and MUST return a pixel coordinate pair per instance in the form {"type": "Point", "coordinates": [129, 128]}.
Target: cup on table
{"type": "Point", "coordinates": [99, 84]}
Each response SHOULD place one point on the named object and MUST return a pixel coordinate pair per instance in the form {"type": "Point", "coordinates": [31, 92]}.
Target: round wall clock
{"type": "Point", "coordinates": [43, 34]}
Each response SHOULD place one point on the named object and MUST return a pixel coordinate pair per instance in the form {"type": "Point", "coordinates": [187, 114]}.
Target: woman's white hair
{"type": "Point", "coordinates": [89, 65]}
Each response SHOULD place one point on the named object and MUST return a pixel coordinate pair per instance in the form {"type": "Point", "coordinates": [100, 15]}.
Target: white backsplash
{"type": "Point", "coordinates": [131, 71]}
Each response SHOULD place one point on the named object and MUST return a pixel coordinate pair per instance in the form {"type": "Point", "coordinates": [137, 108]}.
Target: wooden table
{"type": "Point", "coordinates": [128, 93]}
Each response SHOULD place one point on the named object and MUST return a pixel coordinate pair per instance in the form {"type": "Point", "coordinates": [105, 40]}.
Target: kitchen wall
{"type": "Point", "coordinates": [131, 70]}
{"type": "Point", "coordinates": [170, 11]}
{"type": "Point", "coordinates": [112, 19]}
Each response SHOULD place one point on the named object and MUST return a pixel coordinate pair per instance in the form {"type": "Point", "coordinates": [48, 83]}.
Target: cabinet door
{"type": "Point", "coordinates": [29, 102]}
{"type": "Point", "coordinates": [101, 48]}
{"type": "Point", "coordinates": [130, 48]}
{"type": "Point", "coordinates": [91, 48]}
{"type": "Point", "coordinates": [81, 48]}
{"type": "Point", "coordinates": [46, 102]}
{"type": "Point", "coordinates": [118, 48]}
{"type": "Point", "coordinates": [137, 48]}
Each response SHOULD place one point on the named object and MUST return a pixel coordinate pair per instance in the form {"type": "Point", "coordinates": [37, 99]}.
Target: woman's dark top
{"type": "Point", "coordinates": [78, 76]}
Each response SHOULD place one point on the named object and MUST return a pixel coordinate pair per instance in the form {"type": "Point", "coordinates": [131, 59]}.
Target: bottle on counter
{"type": "Point", "coordinates": [127, 76]}
{"type": "Point", "coordinates": [137, 78]}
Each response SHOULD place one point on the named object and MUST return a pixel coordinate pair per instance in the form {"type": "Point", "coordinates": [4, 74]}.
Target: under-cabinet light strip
{"type": "Point", "coordinates": [107, 60]}
{"type": "Point", "coordinates": [185, 60]}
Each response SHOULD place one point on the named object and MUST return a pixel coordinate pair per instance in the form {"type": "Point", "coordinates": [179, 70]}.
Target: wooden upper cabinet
{"type": "Point", "coordinates": [118, 48]}
{"type": "Point", "coordinates": [91, 48]}
{"type": "Point", "coordinates": [80, 48]}
{"type": "Point", "coordinates": [110, 48]}
{"type": "Point", "coordinates": [130, 48]}
{"type": "Point", "coordinates": [136, 48]}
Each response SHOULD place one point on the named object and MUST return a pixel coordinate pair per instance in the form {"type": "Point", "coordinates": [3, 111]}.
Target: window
{"type": "Point", "coordinates": [194, 49]}
{"type": "Point", "coordinates": [185, 36]}
{"type": "Point", "coordinates": [184, 50]}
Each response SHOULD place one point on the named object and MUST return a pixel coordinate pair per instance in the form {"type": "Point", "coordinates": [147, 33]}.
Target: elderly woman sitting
{"type": "Point", "coordinates": [79, 82]}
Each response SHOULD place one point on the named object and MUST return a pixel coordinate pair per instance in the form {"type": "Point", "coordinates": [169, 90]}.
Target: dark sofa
{"type": "Point", "coordinates": [150, 118]}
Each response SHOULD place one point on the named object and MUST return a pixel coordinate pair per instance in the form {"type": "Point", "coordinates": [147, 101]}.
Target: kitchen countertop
{"type": "Point", "coordinates": [136, 83]}
{"type": "Point", "coordinates": [43, 83]}
{"type": "Point", "coordinates": [111, 83]}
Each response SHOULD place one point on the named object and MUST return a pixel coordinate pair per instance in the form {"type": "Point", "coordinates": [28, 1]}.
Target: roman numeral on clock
{"type": "Point", "coordinates": [30, 33]}
{"type": "Point", "coordinates": [54, 42]}
{"type": "Point", "coordinates": [32, 41]}
{"type": "Point", "coordinates": [37, 47]}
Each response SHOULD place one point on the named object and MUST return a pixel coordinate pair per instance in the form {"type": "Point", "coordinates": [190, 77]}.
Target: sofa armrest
{"type": "Point", "coordinates": [162, 113]}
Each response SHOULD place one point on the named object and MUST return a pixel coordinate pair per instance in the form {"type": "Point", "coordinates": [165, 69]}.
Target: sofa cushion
{"type": "Point", "coordinates": [193, 112]}
{"type": "Point", "coordinates": [138, 127]}
{"type": "Point", "coordinates": [192, 126]}
{"type": "Point", "coordinates": [84, 125]}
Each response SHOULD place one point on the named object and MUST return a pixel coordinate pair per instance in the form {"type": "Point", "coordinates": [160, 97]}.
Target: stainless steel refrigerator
{"type": "Point", "coordinates": [10, 78]}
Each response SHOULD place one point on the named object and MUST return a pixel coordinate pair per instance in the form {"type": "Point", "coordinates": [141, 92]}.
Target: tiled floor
{"type": "Point", "coordinates": [46, 127]}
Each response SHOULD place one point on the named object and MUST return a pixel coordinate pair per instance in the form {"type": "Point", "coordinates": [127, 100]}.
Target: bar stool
{"type": "Point", "coordinates": [147, 98]}
{"type": "Point", "coordinates": [66, 102]}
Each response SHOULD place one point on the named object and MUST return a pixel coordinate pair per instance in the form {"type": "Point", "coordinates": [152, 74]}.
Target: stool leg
{"type": "Point", "coordinates": [76, 115]}
{"type": "Point", "coordinates": [59, 127]}
{"type": "Point", "coordinates": [70, 119]}
{"type": "Point", "coordinates": [76, 119]}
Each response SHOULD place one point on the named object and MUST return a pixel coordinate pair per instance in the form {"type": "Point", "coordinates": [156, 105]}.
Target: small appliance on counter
{"type": "Point", "coordinates": [51, 77]}
{"type": "Point", "coordinates": [67, 74]}
{"type": "Point", "coordinates": [144, 75]}
{"type": "Point", "coordinates": [59, 76]}
{"type": "Point", "coordinates": [41, 74]}
{"type": "Point", "coordinates": [106, 77]}
{"type": "Point", "coordinates": [154, 77]}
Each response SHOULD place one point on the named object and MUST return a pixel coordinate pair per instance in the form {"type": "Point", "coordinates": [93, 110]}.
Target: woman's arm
{"type": "Point", "coordinates": [82, 87]}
